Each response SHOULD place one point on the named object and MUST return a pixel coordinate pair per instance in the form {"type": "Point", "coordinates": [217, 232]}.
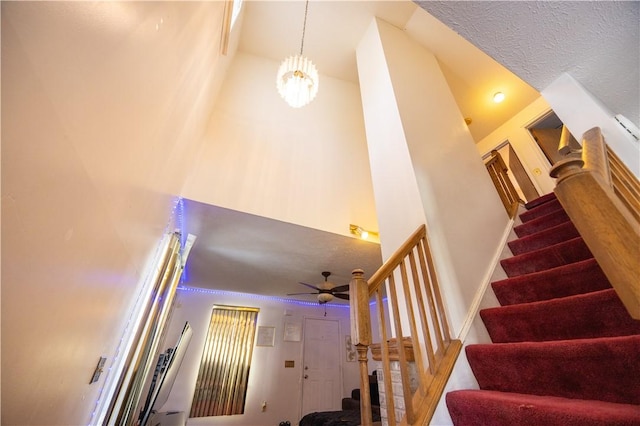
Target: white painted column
{"type": "Point", "coordinates": [425, 167]}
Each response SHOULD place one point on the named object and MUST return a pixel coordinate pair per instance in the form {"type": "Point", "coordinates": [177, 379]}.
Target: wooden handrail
{"type": "Point", "coordinates": [407, 284]}
{"type": "Point", "coordinates": [607, 227]}
{"type": "Point", "coordinates": [377, 279]}
{"type": "Point", "coordinates": [594, 155]}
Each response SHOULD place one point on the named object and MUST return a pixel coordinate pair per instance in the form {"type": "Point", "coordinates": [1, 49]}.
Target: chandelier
{"type": "Point", "coordinates": [297, 78]}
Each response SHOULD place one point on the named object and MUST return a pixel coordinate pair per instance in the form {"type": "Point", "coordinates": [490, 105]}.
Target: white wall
{"type": "Point", "coordinates": [307, 166]}
{"type": "Point", "coordinates": [101, 113]}
{"type": "Point", "coordinates": [269, 381]}
{"type": "Point", "coordinates": [580, 111]}
{"type": "Point", "coordinates": [417, 135]}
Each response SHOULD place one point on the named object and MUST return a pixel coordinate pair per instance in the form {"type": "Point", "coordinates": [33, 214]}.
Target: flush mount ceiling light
{"type": "Point", "coordinates": [297, 78]}
{"type": "Point", "coordinates": [498, 97]}
{"type": "Point", "coordinates": [360, 232]}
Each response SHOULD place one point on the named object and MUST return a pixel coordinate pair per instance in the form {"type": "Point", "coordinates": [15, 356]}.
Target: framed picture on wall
{"type": "Point", "coordinates": [266, 336]}
{"type": "Point", "coordinates": [292, 330]}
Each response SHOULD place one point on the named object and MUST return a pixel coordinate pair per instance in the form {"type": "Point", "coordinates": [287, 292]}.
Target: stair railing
{"type": "Point", "coordinates": [506, 190]}
{"type": "Point", "coordinates": [422, 363]}
{"type": "Point", "coordinates": [603, 212]}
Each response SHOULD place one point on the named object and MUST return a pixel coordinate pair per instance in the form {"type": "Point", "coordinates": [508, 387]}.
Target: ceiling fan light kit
{"type": "Point", "coordinates": [325, 297]}
{"type": "Point", "coordinates": [326, 290]}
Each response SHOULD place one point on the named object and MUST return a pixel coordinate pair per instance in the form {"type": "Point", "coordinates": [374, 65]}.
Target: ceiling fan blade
{"type": "Point", "coordinates": [340, 289]}
{"type": "Point", "coordinates": [342, 296]}
{"type": "Point", "coordinates": [295, 294]}
{"type": "Point", "coordinates": [309, 285]}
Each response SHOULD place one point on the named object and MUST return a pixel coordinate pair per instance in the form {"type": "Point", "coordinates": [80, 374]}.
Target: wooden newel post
{"type": "Point", "coordinates": [361, 338]}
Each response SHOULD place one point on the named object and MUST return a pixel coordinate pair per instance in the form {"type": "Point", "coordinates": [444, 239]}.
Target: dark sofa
{"type": "Point", "coordinates": [353, 403]}
{"type": "Point", "coordinates": [350, 414]}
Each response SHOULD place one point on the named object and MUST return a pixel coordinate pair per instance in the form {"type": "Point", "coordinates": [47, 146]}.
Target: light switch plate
{"type": "Point", "coordinates": [98, 370]}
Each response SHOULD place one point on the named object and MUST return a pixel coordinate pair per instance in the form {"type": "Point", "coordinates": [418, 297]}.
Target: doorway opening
{"type": "Point", "coordinates": [547, 132]}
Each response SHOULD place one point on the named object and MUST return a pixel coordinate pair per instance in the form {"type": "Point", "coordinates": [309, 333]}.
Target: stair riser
{"type": "Point", "coordinates": [600, 369]}
{"type": "Point", "coordinates": [560, 254]}
{"type": "Point", "coordinates": [485, 408]}
{"type": "Point", "coordinates": [540, 200]}
{"type": "Point", "coordinates": [541, 210]}
{"type": "Point", "coordinates": [542, 239]}
{"type": "Point", "coordinates": [541, 223]}
{"type": "Point", "coordinates": [597, 314]}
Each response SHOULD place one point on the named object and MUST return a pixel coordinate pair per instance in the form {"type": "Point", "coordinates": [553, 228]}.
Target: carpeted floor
{"type": "Point", "coordinates": [565, 351]}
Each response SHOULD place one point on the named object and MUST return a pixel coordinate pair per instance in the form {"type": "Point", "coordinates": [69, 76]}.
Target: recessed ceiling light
{"type": "Point", "coordinates": [498, 97]}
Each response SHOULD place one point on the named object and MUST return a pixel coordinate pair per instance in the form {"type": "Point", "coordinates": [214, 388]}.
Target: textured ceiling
{"type": "Point", "coordinates": [597, 42]}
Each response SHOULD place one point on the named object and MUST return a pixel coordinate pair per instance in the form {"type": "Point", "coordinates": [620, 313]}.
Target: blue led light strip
{"type": "Point", "coordinates": [258, 296]}
{"type": "Point", "coordinates": [180, 215]}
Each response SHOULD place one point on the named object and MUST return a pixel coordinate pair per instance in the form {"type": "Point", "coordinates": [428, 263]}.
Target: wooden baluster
{"type": "Point", "coordinates": [384, 357]}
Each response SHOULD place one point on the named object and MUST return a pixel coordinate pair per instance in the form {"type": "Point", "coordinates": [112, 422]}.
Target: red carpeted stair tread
{"type": "Point", "coordinates": [541, 223]}
{"type": "Point", "coordinates": [540, 200]}
{"type": "Point", "coordinates": [491, 408]}
{"type": "Point", "coordinates": [566, 280]}
{"type": "Point", "coordinates": [604, 369]}
{"type": "Point", "coordinates": [541, 210]}
{"type": "Point", "coordinates": [556, 234]}
{"type": "Point", "coordinates": [570, 251]}
{"type": "Point", "coordinates": [595, 314]}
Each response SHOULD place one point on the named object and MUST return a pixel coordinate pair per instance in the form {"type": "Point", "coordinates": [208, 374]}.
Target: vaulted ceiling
{"type": "Point", "coordinates": [273, 29]}
{"type": "Point", "coordinates": [242, 252]}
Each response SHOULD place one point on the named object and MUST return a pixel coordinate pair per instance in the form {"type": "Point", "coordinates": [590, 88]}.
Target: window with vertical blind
{"type": "Point", "coordinates": [221, 387]}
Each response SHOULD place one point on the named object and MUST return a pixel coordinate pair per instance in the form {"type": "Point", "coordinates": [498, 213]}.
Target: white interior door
{"type": "Point", "coordinates": [322, 378]}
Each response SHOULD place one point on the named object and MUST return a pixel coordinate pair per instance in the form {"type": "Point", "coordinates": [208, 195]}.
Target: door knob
{"type": "Point", "coordinates": [306, 367]}
{"type": "Point", "coordinates": [306, 376]}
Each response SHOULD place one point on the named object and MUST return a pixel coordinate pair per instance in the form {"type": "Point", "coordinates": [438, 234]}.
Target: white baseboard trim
{"type": "Point", "coordinates": [477, 299]}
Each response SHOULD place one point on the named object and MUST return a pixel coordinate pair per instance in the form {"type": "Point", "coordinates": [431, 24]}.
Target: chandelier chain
{"type": "Point", "coordinates": [304, 26]}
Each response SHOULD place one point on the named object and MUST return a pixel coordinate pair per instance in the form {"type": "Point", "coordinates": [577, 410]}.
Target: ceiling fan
{"type": "Point", "coordinates": [327, 290]}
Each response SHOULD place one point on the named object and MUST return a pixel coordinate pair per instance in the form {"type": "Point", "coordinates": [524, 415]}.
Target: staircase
{"type": "Point", "coordinates": [565, 351]}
